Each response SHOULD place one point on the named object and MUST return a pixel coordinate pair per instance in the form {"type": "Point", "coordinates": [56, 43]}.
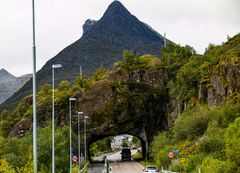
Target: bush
{"type": "Point", "coordinates": [5, 168]}
{"type": "Point", "coordinates": [212, 165]}
{"type": "Point", "coordinates": [160, 147]}
{"type": "Point", "coordinates": [18, 152]}
{"type": "Point", "coordinates": [193, 161]}
{"type": "Point", "coordinates": [158, 143]}
{"type": "Point", "coordinates": [213, 141]}
{"type": "Point", "coordinates": [232, 139]}
{"type": "Point", "coordinates": [231, 111]}
{"type": "Point", "coordinates": [191, 123]}
{"type": "Point", "coordinates": [100, 74]}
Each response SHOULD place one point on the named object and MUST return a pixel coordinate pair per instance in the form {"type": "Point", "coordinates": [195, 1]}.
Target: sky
{"type": "Point", "coordinates": [59, 23]}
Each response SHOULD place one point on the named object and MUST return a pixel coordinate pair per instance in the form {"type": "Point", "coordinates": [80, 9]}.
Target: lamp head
{"type": "Point", "coordinates": [72, 99]}
{"type": "Point", "coordinates": [80, 113]}
{"type": "Point", "coordinates": [56, 66]}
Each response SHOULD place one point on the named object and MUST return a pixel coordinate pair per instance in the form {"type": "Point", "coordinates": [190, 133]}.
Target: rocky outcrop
{"type": "Point", "coordinates": [21, 128]}
{"type": "Point", "coordinates": [225, 81]}
{"type": "Point", "coordinates": [88, 25]}
{"type": "Point", "coordinates": [9, 84]}
{"type": "Point", "coordinates": [101, 46]}
{"type": "Point", "coordinates": [117, 105]}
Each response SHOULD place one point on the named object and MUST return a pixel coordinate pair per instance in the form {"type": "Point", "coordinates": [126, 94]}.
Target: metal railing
{"type": "Point", "coordinates": [84, 168]}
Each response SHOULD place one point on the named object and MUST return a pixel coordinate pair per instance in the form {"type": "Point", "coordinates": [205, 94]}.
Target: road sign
{"type": "Point", "coordinates": [170, 154]}
{"type": "Point", "coordinates": [175, 151]}
{"type": "Point", "coordinates": [74, 158]}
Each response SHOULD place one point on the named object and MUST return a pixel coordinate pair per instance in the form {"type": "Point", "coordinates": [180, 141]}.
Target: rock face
{"type": "Point", "coordinates": [224, 85]}
{"type": "Point", "coordinates": [88, 25]}
{"type": "Point", "coordinates": [121, 104]}
{"type": "Point", "coordinates": [101, 45]}
{"type": "Point", "coordinates": [9, 84]}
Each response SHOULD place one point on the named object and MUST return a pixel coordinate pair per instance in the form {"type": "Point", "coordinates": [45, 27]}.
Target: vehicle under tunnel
{"type": "Point", "coordinates": [116, 149]}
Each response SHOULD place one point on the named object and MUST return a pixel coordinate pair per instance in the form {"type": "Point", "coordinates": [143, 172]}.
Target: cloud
{"type": "Point", "coordinates": [59, 23]}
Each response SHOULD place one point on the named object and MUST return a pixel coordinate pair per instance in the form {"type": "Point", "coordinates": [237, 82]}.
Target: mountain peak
{"type": "Point", "coordinates": [116, 4]}
{"type": "Point", "coordinates": [5, 74]}
{"type": "Point", "coordinates": [116, 8]}
{"type": "Point", "coordinates": [3, 70]}
{"type": "Point", "coordinates": [101, 45]}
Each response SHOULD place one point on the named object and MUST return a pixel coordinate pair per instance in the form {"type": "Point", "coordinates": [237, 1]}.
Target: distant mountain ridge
{"type": "Point", "coordinates": [9, 84]}
{"type": "Point", "coordinates": [100, 46]}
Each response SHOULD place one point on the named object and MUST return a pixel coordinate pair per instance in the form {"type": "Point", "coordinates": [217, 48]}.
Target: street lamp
{"type": "Point", "coordinates": [53, 154]}
{"type": "Point", "coordinates": [85, 140]}
{"type": "Point", "coordinates": [70, 131]}
{"type": "Point", "coordinates": [34, 94]}
{"type": "Point", "coordinates": [79, 154]}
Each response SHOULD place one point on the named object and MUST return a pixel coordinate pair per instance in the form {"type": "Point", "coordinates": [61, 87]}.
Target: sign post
{"type": "Point", "coordinates": [171, 156]}
{"type": "Point", "coordinates": [75, 159]}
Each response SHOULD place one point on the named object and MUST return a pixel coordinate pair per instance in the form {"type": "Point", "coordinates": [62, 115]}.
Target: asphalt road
{"type": "Point", "coordinates": [117, 165]}
{"type": "Point", "coordinates": [96, 168]}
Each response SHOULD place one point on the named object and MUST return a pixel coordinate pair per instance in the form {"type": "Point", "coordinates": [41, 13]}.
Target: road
{"type": "Point", "coordinates": [117, 165]}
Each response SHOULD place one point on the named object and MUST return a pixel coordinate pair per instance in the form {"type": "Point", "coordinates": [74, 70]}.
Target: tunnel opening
{"type": "Point", "coordinates": [123, 147]}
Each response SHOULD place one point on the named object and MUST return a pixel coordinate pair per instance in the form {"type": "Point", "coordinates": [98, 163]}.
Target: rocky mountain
{"type": "Point", "coordinates": [88, 25]}
{"type": "Point", "coordinates": [101, 45]}
{"type": "Point", "coordinates": [9, 84]}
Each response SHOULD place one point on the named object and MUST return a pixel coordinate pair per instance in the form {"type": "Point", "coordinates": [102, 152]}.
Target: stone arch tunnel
{"type": "Point", "coordinates": [121, 104]}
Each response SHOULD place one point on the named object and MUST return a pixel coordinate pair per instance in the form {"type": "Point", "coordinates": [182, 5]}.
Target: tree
{"type": "Point", "coordinates": [5, 168]}
{"type": "Point", "coordinates": [100, 74]}
{"type": "Point", "coordinates": [174, 57]}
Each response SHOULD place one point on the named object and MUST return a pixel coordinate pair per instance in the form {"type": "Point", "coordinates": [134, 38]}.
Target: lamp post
{"type": "Point", "coordinates": [53, 153]}
{"type": "Point", "coordinates": [85, 140]}
{"type": "Point", "coordinates": [79, 144]}
{"type": "Point", "coordinates": [70, 131]}
{"type": "Point", "coordinates": [34, 94]}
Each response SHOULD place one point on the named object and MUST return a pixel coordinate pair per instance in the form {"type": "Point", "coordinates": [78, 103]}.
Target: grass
{"type": "Point", "coordinates": [147, 162]}
{"type": "Point", "coordinates": [138, 157]}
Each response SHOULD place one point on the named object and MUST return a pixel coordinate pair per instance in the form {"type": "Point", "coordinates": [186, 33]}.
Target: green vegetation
{"type": "Point", "coordinates": [101, 146]}
{"type": "Point", "coordinates": [17, 153]}
{"type": "Point", "coordinates": [203, 121]}
{"type": "Point", "coordinates": [206, 136]}
{"type": "Point", "coordinates": [137, 156]}
{"type": "Point", "coordinates": [201, 138]}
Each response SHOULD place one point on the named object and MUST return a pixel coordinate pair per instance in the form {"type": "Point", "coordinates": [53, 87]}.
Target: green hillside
{"type": "Point", "coordinates": [203, 112]}
{"type": "Point", "coordinates": [205, 98]}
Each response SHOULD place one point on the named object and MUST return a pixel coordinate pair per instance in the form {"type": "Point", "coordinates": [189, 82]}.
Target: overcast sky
{"type": "Point", "coordinates": [59, 23]}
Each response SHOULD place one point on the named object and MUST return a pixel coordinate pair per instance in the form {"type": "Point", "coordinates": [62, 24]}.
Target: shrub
{"type": "Point", "coordinates": [5, 168]}
{"type": "Point", "coordinates": [191, 124]}
{"type": "Point", "coordinates": [231, 112]}
{"type": "Point", "coordinates": [213, 141]}
{"type": "Point", "coordinates": [160, 147]}
{"type": "Point", "coordinates": [212, 165]}
{"type": "Point", "coordinates": [232, 139]}
{"type": "Point", "coordinates": [100, 74]}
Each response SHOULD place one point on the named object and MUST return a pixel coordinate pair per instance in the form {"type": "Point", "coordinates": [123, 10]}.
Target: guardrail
{"type": "Point", "coordinates": [84, 168]}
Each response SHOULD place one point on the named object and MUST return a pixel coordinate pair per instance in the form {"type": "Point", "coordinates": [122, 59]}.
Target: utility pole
{"type": "Point", "coordinates": [165, 40]}
{"type": "Point", "coordinates": [80, 72]}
